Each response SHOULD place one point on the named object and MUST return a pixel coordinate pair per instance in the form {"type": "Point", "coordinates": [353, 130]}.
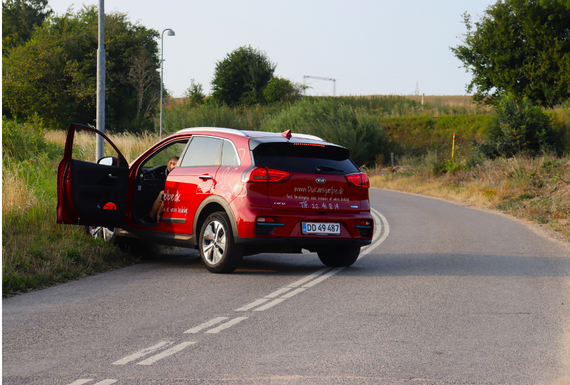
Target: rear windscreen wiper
{"type": "Point", "coordinates": [326, 168]}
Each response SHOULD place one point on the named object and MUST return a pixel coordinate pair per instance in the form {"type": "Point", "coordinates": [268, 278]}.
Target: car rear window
{"type": "Point", "coordinates": [306, 158]}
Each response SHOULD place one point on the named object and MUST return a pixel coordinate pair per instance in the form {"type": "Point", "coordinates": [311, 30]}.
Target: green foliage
{"type": "Point", "coordinates": [35, 250]}
{"type": "Point", "coordinates": [420, 134]}
{"type": "Point", "coordinates": [520, 47]}
{"type": "Point", "coordinates": [195, 94]}
{"type": "Point", "coordinates": [241, 77]}
{"type": "Point", "coordinates": [19, 18]}
{"type": "Point", "coordinates": [22, 141]}
{"type": "Point", "coordinates": [282, 90]}
{"type": "Point", "coordinates": [335, 122]}
{"type": "Point", "coordinates": [518, 128]}
{"type": "Point", "coordinates": [204, 116]}
{"type": "Point", "coordinates": [54, 73]}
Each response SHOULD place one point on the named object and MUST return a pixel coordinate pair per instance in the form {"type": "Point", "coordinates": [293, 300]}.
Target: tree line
{"type": "Point", "coordinates": [518, 53]}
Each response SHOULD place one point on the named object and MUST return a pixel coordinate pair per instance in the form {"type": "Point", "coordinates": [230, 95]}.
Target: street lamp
{"type": "Point", "coordinates": [170, 33]}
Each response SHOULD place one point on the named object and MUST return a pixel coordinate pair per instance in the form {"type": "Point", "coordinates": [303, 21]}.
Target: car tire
{"type": "Point", "coordinates": [339, 256]}
{"type": "Point", "coordinates": [107, 233]}
{"type": "Point", "coordinates": [218, 250]}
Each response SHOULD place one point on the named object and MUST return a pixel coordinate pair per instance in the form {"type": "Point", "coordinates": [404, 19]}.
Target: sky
{"type": "Point", "coordinates": [369, 47]}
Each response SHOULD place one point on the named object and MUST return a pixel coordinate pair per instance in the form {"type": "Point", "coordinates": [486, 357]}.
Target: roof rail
{"type": "Point", "coordinates": [214, 129]}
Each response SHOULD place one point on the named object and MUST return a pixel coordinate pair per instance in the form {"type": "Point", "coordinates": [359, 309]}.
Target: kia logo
{"type": "Point", "coordinates": [320, 180]}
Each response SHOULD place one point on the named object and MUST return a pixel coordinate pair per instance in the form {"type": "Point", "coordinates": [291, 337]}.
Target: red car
{"type": "Point", "coordinates": [232, 193]}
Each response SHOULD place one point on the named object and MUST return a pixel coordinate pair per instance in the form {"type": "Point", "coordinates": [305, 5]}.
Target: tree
{"type": "Point", "coordinates": [54, 73]}
{"type": "Point", "coordinates": [521, 47]}
{"type": "Point", "coordinates": [518, 128]}
{"type": "Point", "coordinates": [19, 18]}
{"type": "Point", "coordinates": [195, 94]}
{"type": "Point", "coordinates": [142, 77]}
{"type": "Point", "coordinates": [282, 90]}
{"type": "Point", "coordinates": [241, 77]}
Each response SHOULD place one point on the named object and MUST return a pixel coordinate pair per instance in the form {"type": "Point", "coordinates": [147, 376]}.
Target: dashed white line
{"type": "Point", "coordinates": [166, 353]}
{"type": "Point", "coordinates": [206, 325]}
{"type": "Point", "coordinates": [82, 381]}
{"type": "Point", "coordinates": [253, 304]}
{"type": "Point", "coordinates": [277, 293]}
{"type": "Point", "coordinates": [270, 304]}
{"type": "Point", "coordinates": [142, 353]}
{"type": "Point", "coordinates": [294, 292]}
{"type": "Point", "coordinates": [321, 279]}
{"type": "Point", "coordinates": [227, 325]}
{"type": "Point", "coordinates": [308, 278]}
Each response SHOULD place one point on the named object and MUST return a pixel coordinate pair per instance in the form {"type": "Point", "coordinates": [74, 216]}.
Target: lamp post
{"type": "Point", "coordinates": [170, 33]}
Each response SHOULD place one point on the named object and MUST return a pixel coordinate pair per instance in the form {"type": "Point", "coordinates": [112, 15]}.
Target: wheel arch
{"type": "Point", "coordinates": [211, 205]}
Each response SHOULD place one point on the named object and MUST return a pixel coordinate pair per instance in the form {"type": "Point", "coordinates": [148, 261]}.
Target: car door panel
{"type": "Point", "coordinates": [91, 193]}
{"type": "Point", "coordinates": [99, 192]}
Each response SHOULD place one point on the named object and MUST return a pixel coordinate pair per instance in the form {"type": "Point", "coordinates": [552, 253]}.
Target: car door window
{"type": "Point", "coordinates": [161, 157]}
{"type": "Point", "coordinates": [203, 151]}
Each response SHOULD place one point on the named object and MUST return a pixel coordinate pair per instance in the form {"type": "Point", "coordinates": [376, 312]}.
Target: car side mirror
{"type": "Point", "coordinates": [108, 161]}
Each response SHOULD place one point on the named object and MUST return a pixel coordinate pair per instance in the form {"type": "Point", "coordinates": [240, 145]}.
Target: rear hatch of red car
{"type": "Point", "coordinates": [309, 176]}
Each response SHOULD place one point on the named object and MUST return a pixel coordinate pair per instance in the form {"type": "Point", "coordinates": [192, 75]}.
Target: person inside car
{"type": "Point", "coordinates": [158, 205]}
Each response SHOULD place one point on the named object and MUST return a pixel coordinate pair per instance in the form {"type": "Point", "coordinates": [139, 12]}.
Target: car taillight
{"type": "Point", "coordinates": [359, 180]}
{"type": "Point", "coordinates": [268, 175]}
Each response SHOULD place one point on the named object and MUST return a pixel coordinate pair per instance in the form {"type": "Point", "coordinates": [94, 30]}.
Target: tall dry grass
{"type": "Point", "coordinates": [534, 189]}
{"type": "Point", "coordinates": [16, 194]}
{"type": "Point", "coordinates": [130, 145]}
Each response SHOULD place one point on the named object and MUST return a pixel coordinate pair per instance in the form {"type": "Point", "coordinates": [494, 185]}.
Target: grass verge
{"type": "Point", "coordinates": [37, 252]}
{"type": "Point", "coordinates": [533, 189]}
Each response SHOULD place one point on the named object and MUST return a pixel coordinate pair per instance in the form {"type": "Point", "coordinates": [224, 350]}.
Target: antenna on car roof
{"type": "Point", "coordinates": [287, 134]}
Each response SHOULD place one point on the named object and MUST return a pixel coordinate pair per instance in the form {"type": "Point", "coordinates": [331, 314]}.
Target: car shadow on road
{"type": "Point", "coordinates": [258, 264]}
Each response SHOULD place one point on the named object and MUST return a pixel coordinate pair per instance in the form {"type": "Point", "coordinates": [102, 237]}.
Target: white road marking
{"type": "Point", "coordinates": [270, 304]}
{"type": "Point", "coordinates": [385, 228]}
{"type": "Point", "coordinates": [253, 304]}
{"type": "Point", "coordinates": [294, 292]}
{"type": "Point", "coordinates": [166, 353]}
{"type": "Point", "coordinates": [277, 293]}
{"type": "Point", "coordinates": [227, 325]}
{"type": "Point", "coordinates": [81, 381]}
{"type": "Point", "coordinates": [308, 278]}
{"type": "Point", "coordinates": [321, 279]}
{"type": "Point", "coordinates": [106, 382]}
{"type": "Point", "coordinates": [143, 352]}
{"type": "Point", "coordinates": [205, 325]}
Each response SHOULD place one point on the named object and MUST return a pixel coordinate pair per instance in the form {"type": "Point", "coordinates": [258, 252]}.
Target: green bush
{"type": "Point", "coordinates": [207, 115]}
{"type": "Point", "coordinates": [195, 94]}
{"type": "Point", "coordinates": [282, 90]}
{"type": "Point", "coordinates": [519, 128]}
{"type": "Point", "coordinates": [335, 122]}
{"type": "Point", "coordinates": [22, 141]}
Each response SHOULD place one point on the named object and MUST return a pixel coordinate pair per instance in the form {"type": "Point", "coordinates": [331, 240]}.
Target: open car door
{"type": "Point", "coordinates": [93, 194]}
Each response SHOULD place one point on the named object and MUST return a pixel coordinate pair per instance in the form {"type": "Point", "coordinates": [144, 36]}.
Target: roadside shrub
{"type": "Point", "coordinates": [335, 122]}
{"type": "Point", "coordinates": [22, 141]}
{"type": "Point", "coordinates": [206, 115]}
{"type": "Point", "coordinates": [518, 128]}
{"type": "Point", "coordinates": [195, 94]}
{"type": "Point", "coordinates": [282, 90]}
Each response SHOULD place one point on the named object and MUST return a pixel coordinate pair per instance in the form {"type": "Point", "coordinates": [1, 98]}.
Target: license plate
{"type": "Point", "coordinates": [321, 228]}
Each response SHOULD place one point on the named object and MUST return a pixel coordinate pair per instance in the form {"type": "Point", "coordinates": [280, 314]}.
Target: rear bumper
{"type": "Point", "coordinates": [296, 245]}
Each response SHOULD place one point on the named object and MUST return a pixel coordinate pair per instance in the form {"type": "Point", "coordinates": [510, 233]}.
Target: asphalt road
{"type": "Point", "coordinates": [445, 295]}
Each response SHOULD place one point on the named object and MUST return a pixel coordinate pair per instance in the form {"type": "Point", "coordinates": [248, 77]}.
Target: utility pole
{"type": "Point", "coordinates": [100, 122]}
{"type": "Point", "coordinates": [321, 78]}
